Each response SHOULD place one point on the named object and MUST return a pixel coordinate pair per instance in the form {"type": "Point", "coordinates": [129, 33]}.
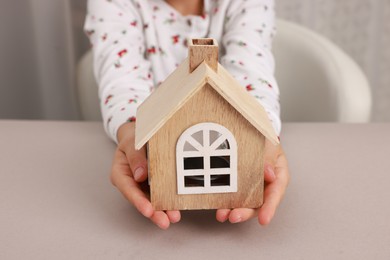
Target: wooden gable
{"type": "Point", "coordinates": [181, 85]}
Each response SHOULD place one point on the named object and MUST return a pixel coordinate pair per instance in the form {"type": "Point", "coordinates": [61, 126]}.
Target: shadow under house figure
{"type": "Point", "coordinates": [205, 141]}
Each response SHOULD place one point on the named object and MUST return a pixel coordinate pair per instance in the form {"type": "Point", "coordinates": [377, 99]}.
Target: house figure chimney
{"type": "Point", "coordinates": [200, 50]}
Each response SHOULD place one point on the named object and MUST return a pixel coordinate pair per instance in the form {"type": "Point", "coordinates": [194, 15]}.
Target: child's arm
{"type": "Point", "coordinates": [124, 78]}
{"type": "Point", "coordinates": [249, 30]}
{"type": "Point", "coordinates": [123, 74]}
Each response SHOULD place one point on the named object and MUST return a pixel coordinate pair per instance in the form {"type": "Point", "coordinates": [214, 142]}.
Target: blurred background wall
{"type": "Point", "coordinates": [42, 40]}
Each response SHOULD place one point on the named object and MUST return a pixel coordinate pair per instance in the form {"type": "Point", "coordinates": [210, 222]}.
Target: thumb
{"type": "Point", "coordinates": [138, 164]}
{"type": "Point", "coordinates": [136, 158]}
{"type": "Point", "coordinates": [270, 157]}
{"type": "Point", "coordinates": [270, 154]}
{"type": "Point", "coordinates": [269, 173]}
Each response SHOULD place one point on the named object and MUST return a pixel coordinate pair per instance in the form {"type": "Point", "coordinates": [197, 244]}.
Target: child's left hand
{"type": "Point", "coordinates": [276, 177]}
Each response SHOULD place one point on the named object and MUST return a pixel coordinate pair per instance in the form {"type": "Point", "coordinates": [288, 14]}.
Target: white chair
{"type": "Point", "coordinates": [87, 89]}
{"type": "Point", "coordinates": [318, 81]}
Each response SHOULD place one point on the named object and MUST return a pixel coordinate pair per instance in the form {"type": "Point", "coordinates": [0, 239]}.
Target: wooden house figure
{"type": "Point", "coordinates": [205, 137]}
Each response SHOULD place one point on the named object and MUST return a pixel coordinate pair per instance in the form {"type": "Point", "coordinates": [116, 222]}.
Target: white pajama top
{"type": "Point", "coordinates": [138, 43]}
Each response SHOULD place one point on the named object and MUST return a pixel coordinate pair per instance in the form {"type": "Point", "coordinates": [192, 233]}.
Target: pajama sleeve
{"type": "Point", "coordinates": [248, 33]}
{"type": "Point", "coordinates": [123, 74]}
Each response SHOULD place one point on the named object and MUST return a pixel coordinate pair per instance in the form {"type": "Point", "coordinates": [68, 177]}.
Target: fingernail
{"type": "Point", "coordinates": [138, 173]}
{"type": "Point", "coordinates": [271, 171]}
{"type": "Point", "coordinates": [223, 218]}
{"type": "Point", "coordinates": [238, 219]}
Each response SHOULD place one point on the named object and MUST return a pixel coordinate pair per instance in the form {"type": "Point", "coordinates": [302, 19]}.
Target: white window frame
{"type": "Point", "coordinates": [206, 151]}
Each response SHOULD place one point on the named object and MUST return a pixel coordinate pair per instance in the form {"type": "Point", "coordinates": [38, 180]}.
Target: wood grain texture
{"type": "Point", "coordinates": [182, 85]}
{"type": "Point", "coordinates": [168, 98]}
{"type": "Point", "coordinates": [200, 50]}
{"type": "Point", "coordinates": [206, 106]}
{"type": "Point", "coordinates": [231, 90]}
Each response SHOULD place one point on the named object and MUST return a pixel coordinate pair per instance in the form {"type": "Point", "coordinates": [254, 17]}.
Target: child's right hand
{"type": "Point", "coordinates": [129, 170]}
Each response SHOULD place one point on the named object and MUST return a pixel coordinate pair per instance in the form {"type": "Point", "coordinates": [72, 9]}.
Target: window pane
{"type": "Point", "coordinates": [214, 136]}
{"type": "Point", "coordinates": [224, 145]}
{"type": "Point", "coordinates": [194, 181]}
{"type": "Point", "coordinates": [219, 162]}
{"type": "Point", "coordinates": [188, 147]}
{"type": "Point", "coordinates": [193, 163]}
{"type": "Point", "coordinates": [220, 180]}
{"type": "Point", "coordinates": [198, 136]}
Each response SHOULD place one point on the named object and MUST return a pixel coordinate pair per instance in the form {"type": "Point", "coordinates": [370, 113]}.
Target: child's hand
{"type": "Point", "coordinates": [276, 177]}
{"type": "Point", "coordinates": [129, 170]}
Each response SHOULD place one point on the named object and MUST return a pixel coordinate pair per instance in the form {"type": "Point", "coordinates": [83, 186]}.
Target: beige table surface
{"type": "Point", "coordinates": [56, 201]}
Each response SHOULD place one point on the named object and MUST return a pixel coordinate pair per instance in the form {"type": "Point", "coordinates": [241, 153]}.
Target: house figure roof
{"type": "Point", "coordinates": [183, 84]}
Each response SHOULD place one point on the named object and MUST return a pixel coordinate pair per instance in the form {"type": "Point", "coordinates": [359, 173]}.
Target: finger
{"type": "Point", "coordinates": [174, 216]}
{"type": "Point", "coordinates": [267, 211]}
{"type": "Point", "coordinates": [138, 163]}
{"type": "Point", "coordinates": [222, 215]}
{"type": "Point", "coordinates": [160, 219]}
{"type": "Point", "coordinates": [135, 195]}
{"type": "Point", "coordinates": [241, 215]}
{"type": "Point", "coordinates": [273, 195]}
{"type": "Point", "coordinates": [269, 173]}
{"type": "Point", "coordinates": [271, 153]}
{"type": "Point", "coordinates": [131, 190]}
{"type": "Point", "coordinates": [136, 158]}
